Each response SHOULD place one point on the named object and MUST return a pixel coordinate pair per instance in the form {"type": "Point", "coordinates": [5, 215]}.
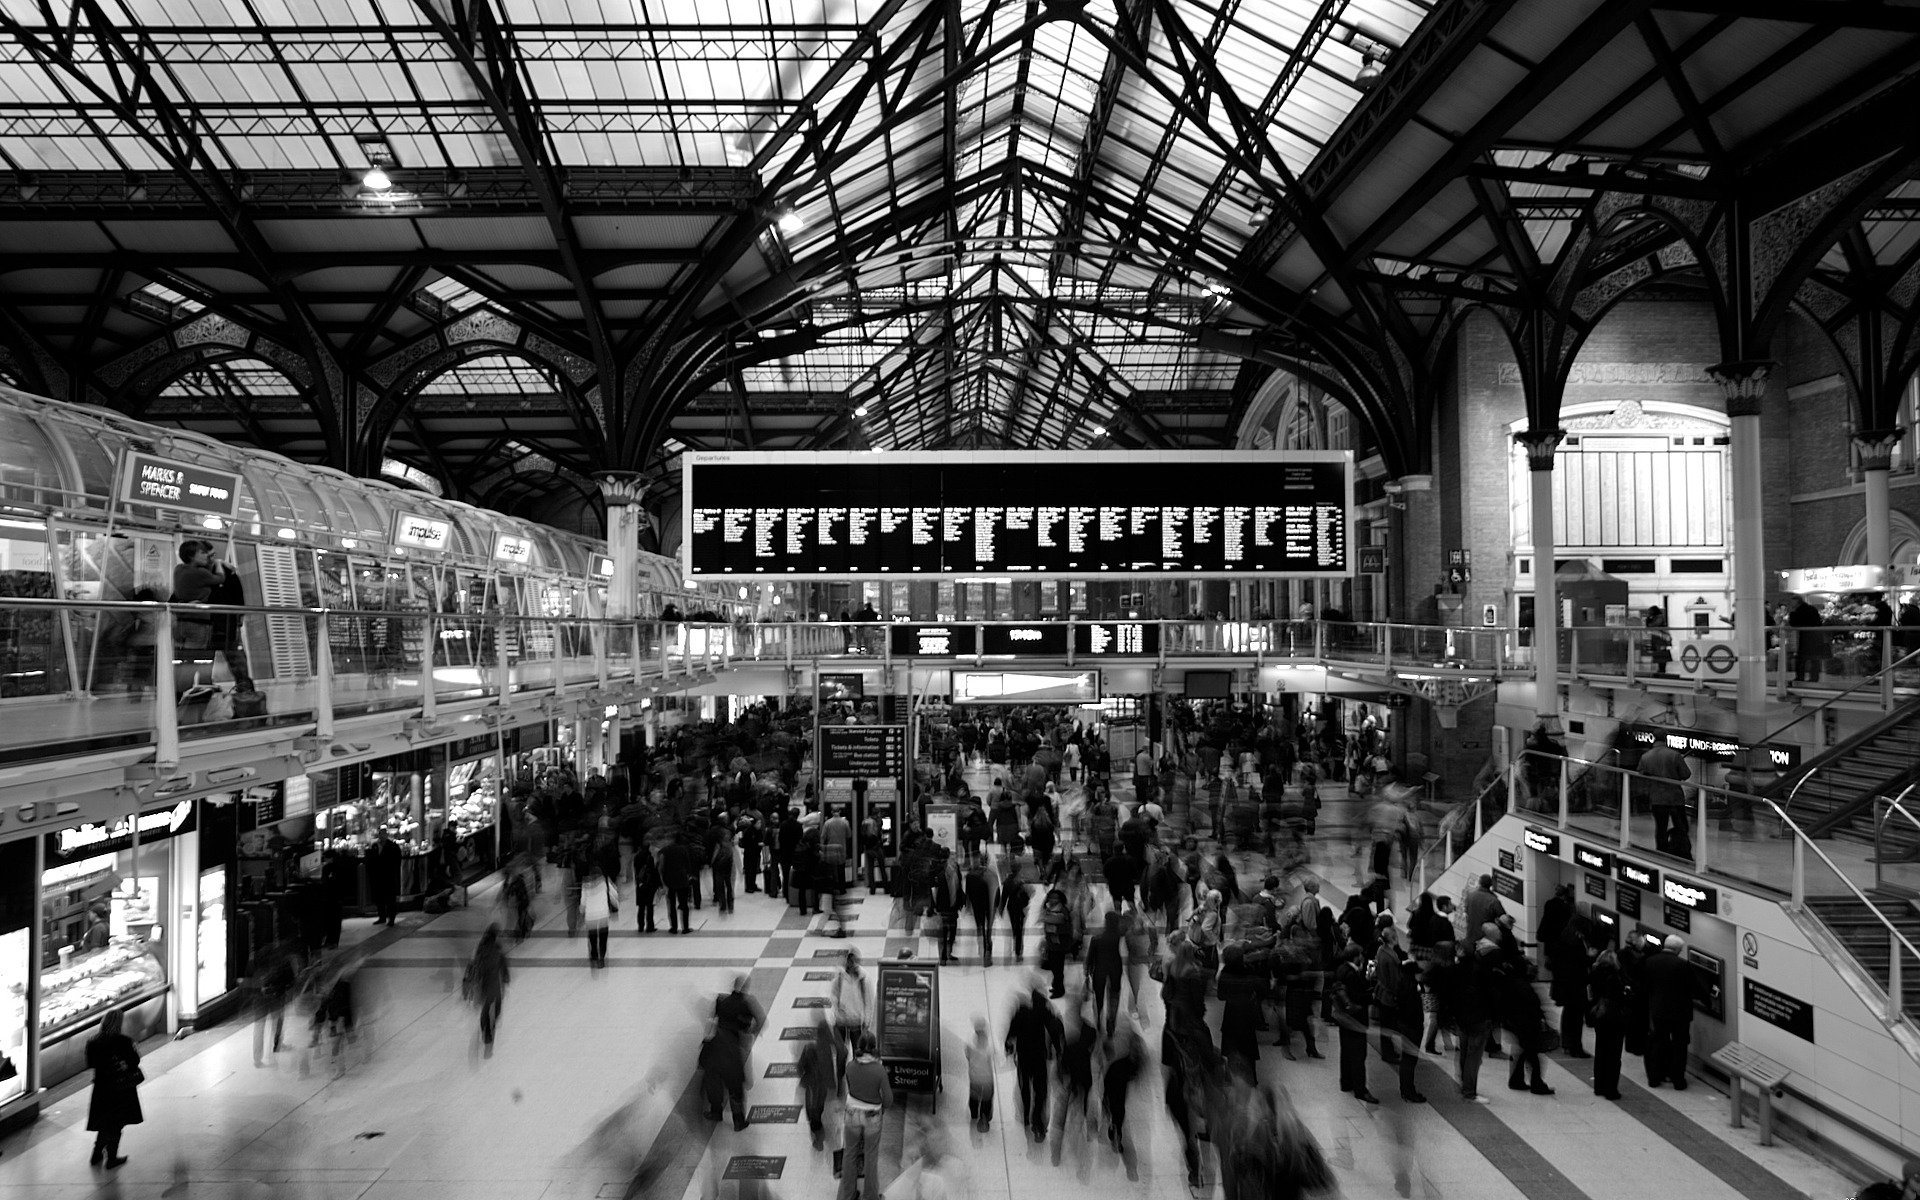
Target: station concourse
{"type": "Point", "coordinates": [429, 429]}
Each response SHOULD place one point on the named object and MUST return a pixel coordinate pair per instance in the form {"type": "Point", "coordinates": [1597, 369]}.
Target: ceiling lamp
{"type": "Point", "coordinates": [1373, 58]}
{"type": "Point", "coordinates": [790, 221]}
{"type": "Point", "coordinates": [1369, 73]}
{"type": "Point", "coordinates": [376, 180]}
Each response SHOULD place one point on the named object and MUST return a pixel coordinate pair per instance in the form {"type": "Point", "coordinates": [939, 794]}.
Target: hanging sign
{"type": "Point", "coordinates": [1634, 875]}
{"type": "Point", "coordinates": [603, 566]}
{"type": "Point", "coordinates": [182, 487]}
{"type": "Point", "coordinates": [1542, 841]}
{"type": "Point", "coordinates": [412, 531]}
{"type": "Point", "coordinates": [1593, 860]}
{"type": "Point", "coordinates": [514, 551]}
{"type": "Point", "coordinates": [1691, 895]}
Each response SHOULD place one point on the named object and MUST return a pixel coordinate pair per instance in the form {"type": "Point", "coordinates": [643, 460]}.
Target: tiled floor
{"type": "Point", "coordinates": [590, 1094]}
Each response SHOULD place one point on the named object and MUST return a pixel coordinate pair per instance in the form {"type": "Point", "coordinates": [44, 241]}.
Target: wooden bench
{"type": "Point", "coordinates": [1744, 1066]}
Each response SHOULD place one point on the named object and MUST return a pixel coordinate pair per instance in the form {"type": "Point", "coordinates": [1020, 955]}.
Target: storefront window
{"type": "Point", "coordinates": [14, 949]}
{"type": "Point", "coordinates": [211, 938]}
{"type": "Point", "coordinates": [103, 928]}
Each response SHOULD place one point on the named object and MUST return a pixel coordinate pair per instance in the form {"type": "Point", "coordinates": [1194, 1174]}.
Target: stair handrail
{"type": "Point", "coordinates": [1802, 844]}
{"type": "Point", "coordinates": [1911, 656]}
{"type": "Point", "coordinates": [1880, 819]}
{"type": "Point", "coordinates": [1453, 818]}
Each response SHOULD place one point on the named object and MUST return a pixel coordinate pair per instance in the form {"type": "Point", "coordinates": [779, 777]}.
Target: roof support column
{"type": "Point", "coordinates": [1540, 445]}
{"type": "Point", "coordinates": [1413, 546]}
{"type": "Point", "coordinates": [623, 491]}
{"type": "Point", "coordinates": [1876, 447]}
{"type": "Point", "coordinates": [1744, 384]}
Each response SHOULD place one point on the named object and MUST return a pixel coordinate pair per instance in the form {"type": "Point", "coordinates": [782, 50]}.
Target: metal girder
{"type": "Point", "coordinates": [484, 46]}
{"type": "Point", "coordinates": [128, 82]}
{"type": "Point", "coordinates": [1855, 14]}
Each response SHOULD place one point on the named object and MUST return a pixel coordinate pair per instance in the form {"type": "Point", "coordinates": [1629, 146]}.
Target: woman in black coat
{"type": "Point", "coordinates": [1607, 1015]}
{"type": "Point", "coordinates": [1242, 990]}
{"type": "Point", "coordinates": [116, 1088]}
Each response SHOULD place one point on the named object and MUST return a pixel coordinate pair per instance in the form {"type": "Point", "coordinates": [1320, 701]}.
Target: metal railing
{"type": "Point", "coordinates": [1893, 804]}
{"type": "Point", "coordinates": [1749, 859]}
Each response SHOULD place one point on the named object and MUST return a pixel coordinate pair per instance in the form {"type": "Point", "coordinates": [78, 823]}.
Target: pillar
{"type": "Point", "coordinates": [1876, 447]}
{"type": "Point", "coordinates": [623, 491]}
{"type": "Point", "coordinates": [1413, 546]}
{"type": "Point", "coordinates": [1540, 445]}
{"type": "Point", "coordinates": [1744, 383]}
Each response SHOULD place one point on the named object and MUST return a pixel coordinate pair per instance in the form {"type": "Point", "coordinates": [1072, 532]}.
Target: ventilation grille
{"type": "Point", "coordinates": [280, 588]}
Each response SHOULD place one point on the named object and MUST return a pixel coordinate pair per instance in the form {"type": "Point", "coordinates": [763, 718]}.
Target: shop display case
{"type": "Point", "coordinates": [14, 950]}
{"type": "Point", "coordinates": [90, 983]}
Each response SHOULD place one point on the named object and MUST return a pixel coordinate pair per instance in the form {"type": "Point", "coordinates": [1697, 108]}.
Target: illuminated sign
{"type": "Point", "coordinates": [517, 551]}
{"type": "Point", "coordinates": [95, 838]}
{"type": "Point", "coordinates": [1044, 638]}
{"type": "Point", "coordinates": [1720, 747]}
{"type": "Point", "coordinates": [603, 566]}
{"type": "Point", "coordinates": [1691, 895]}
{"type": "Point", "coordinates": [1026, 687]}
{"type": "Point", "coordinates": [1850, 577]}
{"type": "Point", "coordinates": [932, 641]}
{"type": "Point", "coordinates": [1113, 638]}
{"type": "Point", "coordinates": [183, 487]}
{"type": "Point", "coordinates": [1635, 875]}
{"type": "Point", "coordinates": [972, 514]}
{"type": "Point", "coordinates": [415, 532]}
{"type": "Point", "coordinates": [1593, 860]}
{"type": "Point", "coordinates": [1541, 840]}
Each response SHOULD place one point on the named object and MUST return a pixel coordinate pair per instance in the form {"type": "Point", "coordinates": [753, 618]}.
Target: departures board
{"type": "Point", "coordinates": [957, 515]}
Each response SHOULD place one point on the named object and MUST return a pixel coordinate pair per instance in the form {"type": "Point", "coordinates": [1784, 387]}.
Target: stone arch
{"type": "Point", "coordinates": [1903, 540]}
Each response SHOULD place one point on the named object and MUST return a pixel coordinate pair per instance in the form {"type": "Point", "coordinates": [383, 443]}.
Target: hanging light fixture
{"type": "Point", "coordinates": [376, 180]}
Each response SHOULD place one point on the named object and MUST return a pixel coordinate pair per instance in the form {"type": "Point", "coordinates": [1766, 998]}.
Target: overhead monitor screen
{"type": "Point", "coordinates": [960, 515]}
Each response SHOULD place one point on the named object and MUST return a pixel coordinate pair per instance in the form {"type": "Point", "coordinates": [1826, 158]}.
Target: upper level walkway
{"type": "Point", "coordinates": [80, 677]}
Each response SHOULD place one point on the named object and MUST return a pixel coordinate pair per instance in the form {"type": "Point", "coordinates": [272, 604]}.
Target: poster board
{"type": "Point", "coordinates": [907, 1023]}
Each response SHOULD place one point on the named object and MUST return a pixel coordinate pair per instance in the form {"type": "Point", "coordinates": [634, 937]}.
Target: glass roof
{"type": "Point", "coordinates": [1014, 216]}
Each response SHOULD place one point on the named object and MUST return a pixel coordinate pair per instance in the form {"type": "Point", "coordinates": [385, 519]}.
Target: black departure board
{"type": "Point", "coordinates": [1101, 639]}
{"type": "Point", "coordinates": [933, 514]}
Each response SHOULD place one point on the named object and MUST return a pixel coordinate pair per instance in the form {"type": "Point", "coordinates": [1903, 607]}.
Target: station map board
{"type": "Point", "coordinates": [962, 515]}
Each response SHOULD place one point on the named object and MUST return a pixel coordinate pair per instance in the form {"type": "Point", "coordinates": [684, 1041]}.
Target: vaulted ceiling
{"type": "Point", "coordinates": [614, 229]}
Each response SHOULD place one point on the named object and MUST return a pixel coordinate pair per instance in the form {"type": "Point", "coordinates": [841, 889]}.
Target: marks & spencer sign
{"type": "Point", "coordinates": [181, 487]}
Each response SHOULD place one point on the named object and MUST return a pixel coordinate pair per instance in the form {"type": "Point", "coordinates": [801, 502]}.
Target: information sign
{"type": "Point", "coordinates": [1508, 862]}
{"type": "Point", "coordinates": [1627, 900]}
{"type": "Point", "coordinates": [514, 551]}
{"type": "Point", "coordinates": [1776, 1007]}
{"type": "Point", "coordinates": [1114, 638]}
{"type": "Point", "coordinates": [862, 751]}
{"type": "Point", "coordinates": [773, 1114]}
{"type": "Point", "coordinates": [1540, 840]}
{"type": "Point", "coordinates": [783, 1070]}
{"type": "Point", "coordinates": [94, 838]}
{"type": "Point", "coordinates": [1634, 875]}
{"type": "Point", "coordinates": [178, 486]}
{"type": "Point", "coordinates": [755, 1166]}
{"type": "Point", "coordinates": [845, 515]}
{"type": "Point", "coordinates": [1596, 886]}
{"type": "Point", "coordinates": [1593, 860]}
{"type": "Point", "coordinates": [1677, 917]}
{"type": "Point", "coordinates": [907, 1023]}
{"type": "Point", "coordinates": [1688, 894]}
{"type": "Point", "coordinates": [1717, 747]}
{"type": "Point", "coordinates": [1508, 887]}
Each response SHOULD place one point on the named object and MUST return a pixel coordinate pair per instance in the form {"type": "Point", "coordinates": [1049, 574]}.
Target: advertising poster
{"type": "Point", "coordinates": [907, 1024]}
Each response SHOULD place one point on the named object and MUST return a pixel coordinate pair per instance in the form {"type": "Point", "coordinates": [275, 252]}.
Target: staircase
{"type": "Point", "coordinates": [1839, 788]}
{"type": "Point", "coordinates": [1866, 938]}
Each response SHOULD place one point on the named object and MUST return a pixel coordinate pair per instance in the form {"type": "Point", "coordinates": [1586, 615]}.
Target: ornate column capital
{"type": "Point", "coordinates": [1540, 445]}
{"type": "Point", "coordinates": [1743, 383]}
{"type": "Point", "coordinates": [1876, 447]}
{"type": "Point", "coordinates": [619, 488]}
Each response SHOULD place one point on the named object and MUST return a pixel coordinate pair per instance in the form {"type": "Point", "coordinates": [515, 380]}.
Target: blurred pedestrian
{"type": "Point", "coordinates": [980, 1077]}
{"type": "Point", "coordinates": [848, 996]}
{"type": "Point", "coordinates": [1034, 1037]}
{"type": "Point", "coordinates": [866, 1094]}
{"type": "Point", "coordinates": [486, 981]}
{"type": "Point", "coordinates": [819, 1078]}
{"type": "Point", "coordinates": [598, 903]}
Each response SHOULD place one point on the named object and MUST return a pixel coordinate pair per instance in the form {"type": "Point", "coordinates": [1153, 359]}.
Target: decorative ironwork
{"type": "Point", "coordinates": [1540, 445]}
{"type": "Point", "coordinates": [1744, 384]}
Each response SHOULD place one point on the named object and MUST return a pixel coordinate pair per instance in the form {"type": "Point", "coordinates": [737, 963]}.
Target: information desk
{"type": "Point", "coordinates": [844, 515]}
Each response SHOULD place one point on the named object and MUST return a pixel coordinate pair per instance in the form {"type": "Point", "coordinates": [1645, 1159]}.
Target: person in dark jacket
{"type": "Point", "coordinates": [1351, 1002]}
{"type": "Point", "coordinates": [1468, 987]}
{"type": "Point", "coordinates": [1570, 954]}
{"type": "Point", "coordinates": [383, 878]}
{"type": "Point", "coordinates": [1809, 643]}
{"type": "Point", "coordinates": [982, 889]}
{"type": "Point", "coordinates": [1409, 1024]}
{"type": "Point", "coordinates": [1633, 956]}
{"type": "Point", "coordinates": [1034, 1037]}
{"type": "Point", "coordinates": [1607, 1012]}
{"type": "Point", "coordinates": [949, 893]}
{"type": "Point", "coordinates": [1123, 876]}
{"type": "Point", "coordinates": [486, 983]}
{"type": "Point", "coordinates": [676, 875]}
{"type": "Point", "coordinates": [1106, 958]}
{"type": "Point", "coordinates": [819, 1078]}
{"type": "Point", "coordinates": [115, 1103]}
{"type": "Point", "coordinates": [1668, 982]}
{"type": "Point", "coordinates": [747, 839]}
{"type": "Point", "coordinates": [1518, 1008]}
{"type": "Point", "coordinates": [1243, 992]}
{"type": "Point", "coordinates": [646, 885]}
{"type": "Point", "coordinates": [1056, 936]}
{"type": "Point", "coordinates": [1015, 896]}
{"type": "Point", "coordinates": [737, 1019]}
